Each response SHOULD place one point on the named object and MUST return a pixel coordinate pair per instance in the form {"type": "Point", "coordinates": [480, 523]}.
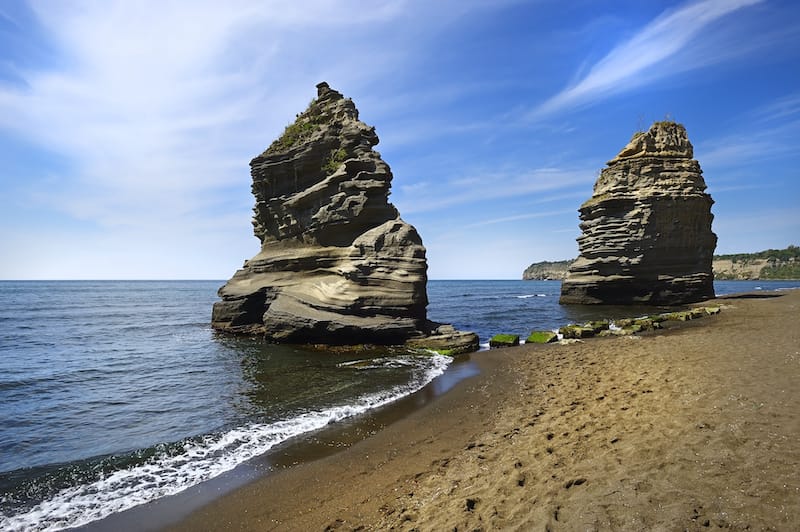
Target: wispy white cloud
{"type": "Point", "coordinates": [154, 108]}
{"type": "Point", "coordinates": [757, 230]}
{"type": "Point", "coordinates": [783, 108]}
{"type": "Point", "coordinates": [7, 17]}
{"type": "Point", "coordinates": [772, 135]}
{"type": "Point", "coordinates": [158, 106]}
{"type": "Point", "coordinates": [519, 218]}
{"type": "Point", "coordinates": [732, 151]}
{"type": "Point", "coordinates": [134, 105]}
{"type": "Point", "coordinates": [481, 187]}
{"type": "Point", "coordinates": [641, 59]}
{"type": "Point", "coordinates": [724, 189]}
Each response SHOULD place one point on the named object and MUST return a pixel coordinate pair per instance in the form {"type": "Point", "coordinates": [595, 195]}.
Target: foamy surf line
{"type": "Point", "coordinates": [202, 459]}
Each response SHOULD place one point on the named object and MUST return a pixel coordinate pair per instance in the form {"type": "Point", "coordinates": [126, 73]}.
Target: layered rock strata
{"type": "Point", "coordinates": [646, 230]}
{"type": "Point", "coordinates": [337, 263]}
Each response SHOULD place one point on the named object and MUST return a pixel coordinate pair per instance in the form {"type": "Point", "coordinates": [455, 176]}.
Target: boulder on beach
{"type": "Point", "coordinates": [504, 340]}
{"type": "Point", "coordinates": [337, 264]}
{"type": "Point", "coordinates": [573, 331]}
{"type": "Point", "coordinates": [646, 231]}
{"type": "Point", "coordinates": [541, 337]}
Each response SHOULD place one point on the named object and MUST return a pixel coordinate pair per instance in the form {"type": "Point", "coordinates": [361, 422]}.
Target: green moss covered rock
{"type": "Point", "coordinates": [678, 316]}
{"type": "Point", "coordinates": [598, 326]}
{"type": "Point", "coordinates": [576, 331]}
{"type": "Point", "coordinates": [647, 324]}
{"type": "Point", "coordinates": [697, 312]}
{"type": "Point", "coordinates": [541, 337]}
{"type": "Point", "coordinates": [504, 340]}
{"type": "Point", "coordinates": [616, 332]}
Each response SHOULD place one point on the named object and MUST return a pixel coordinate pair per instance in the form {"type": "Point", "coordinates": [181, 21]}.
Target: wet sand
{"type": "Point", "coordinates": [692, 427]}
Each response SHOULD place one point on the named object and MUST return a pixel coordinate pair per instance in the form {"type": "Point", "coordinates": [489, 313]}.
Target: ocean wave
{"type": "Point", "coordinates": [168, 472]}
{"type": "Point", "coordinates": [528, 296]}
{"type": "Point", "coordinates": [385, 362]}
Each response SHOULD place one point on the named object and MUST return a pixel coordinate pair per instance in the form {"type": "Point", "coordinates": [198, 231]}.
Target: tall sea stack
{"type": "Point", "coordinates": [646, 230]}
{"type": "Point", "coordinates": [337, 264]}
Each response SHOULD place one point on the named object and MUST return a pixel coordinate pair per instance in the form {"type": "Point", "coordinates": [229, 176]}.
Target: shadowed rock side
{"type": "Point", "coordinates": [337, 264]}
{"type": "Point", "coordinates": [646, 230]}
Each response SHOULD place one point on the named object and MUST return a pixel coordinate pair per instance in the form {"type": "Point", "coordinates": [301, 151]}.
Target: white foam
{"type": "Point", "coordinates": [382, 362]}
{"type": "Point", "coordinates": [201, 460]}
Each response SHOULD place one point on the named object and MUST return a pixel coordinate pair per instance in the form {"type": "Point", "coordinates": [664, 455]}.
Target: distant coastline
{"type": "Point", "coordinates": [777, 264]}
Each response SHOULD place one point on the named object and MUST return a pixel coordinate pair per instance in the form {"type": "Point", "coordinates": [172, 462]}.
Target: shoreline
{"type": "Point", "coordinates": [307, 447]}
{"type": "Point", "coordinates": [670, 431]}
{"type": "Point", "coordinates": [410, 438]}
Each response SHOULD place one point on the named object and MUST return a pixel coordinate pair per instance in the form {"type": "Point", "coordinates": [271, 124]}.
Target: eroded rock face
{"type": "Point", "coordinates": [646, 230]}
{"type": "Point", "coordinates": [337, 264]}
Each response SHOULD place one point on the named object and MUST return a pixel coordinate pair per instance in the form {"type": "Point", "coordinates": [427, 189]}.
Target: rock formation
{"type": "Point", "coordinates": [646, 230]}
{"type": "Point", "coordinates": [337, 264]}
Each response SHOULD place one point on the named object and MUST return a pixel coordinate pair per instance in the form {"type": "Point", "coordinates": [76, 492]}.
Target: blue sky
{"type": "Point", "coordinates": [126, 128]}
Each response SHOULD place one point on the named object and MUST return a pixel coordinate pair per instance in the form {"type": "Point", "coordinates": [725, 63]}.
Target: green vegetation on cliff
{"type": "Point", "coordinates": [767, 264]}
{"type": "Point", "coordinates": [294, 134]}
{"type": "Point", "coordinates": [305, 125]}
{"type": "Point", "coordinates": [335, 159]}
{"type": "Point", "coordinates": [791, 253]}
{"type": "Point", "coordinates": [786, 271]}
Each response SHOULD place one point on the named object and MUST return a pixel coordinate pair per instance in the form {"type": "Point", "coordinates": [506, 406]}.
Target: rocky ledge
{"type": "Point", "coordinates": [646, 230]}
{"type": "Point", "coordinates": [337, 264]}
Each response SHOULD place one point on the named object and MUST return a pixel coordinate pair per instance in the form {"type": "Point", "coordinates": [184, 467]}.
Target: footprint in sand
{"type": "Point", "coordinates": [574, 482]}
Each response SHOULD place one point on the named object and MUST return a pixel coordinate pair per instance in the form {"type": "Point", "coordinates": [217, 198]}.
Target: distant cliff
{"type": "Point", "coordinates": [768, 264]}
{"type": "Point", "coordinates": [547, 270]}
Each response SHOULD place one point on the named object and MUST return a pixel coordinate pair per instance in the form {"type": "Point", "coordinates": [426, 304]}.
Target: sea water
{"type": "Point", "coordinates": [117, 393]}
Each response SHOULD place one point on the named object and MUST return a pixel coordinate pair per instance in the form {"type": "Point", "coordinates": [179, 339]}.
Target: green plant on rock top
{"type": "Point", "coordinates": [669, 120]}
{"type": "Point", "coordinates": [294, 134]}
{"type": "Point", "coordinates": [334, 160]}
{"type": "Point", "coordinates": [307, 122]}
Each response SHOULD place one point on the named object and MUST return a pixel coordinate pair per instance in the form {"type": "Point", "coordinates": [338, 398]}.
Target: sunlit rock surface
{"type": "Point", "coordinates": [337, 263]}
{"type": "Point", "coordinates": [646, 230]}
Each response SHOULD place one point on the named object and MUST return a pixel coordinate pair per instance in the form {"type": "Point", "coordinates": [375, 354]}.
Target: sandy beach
{"type": "Point", "coordinates": [689, 428]}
